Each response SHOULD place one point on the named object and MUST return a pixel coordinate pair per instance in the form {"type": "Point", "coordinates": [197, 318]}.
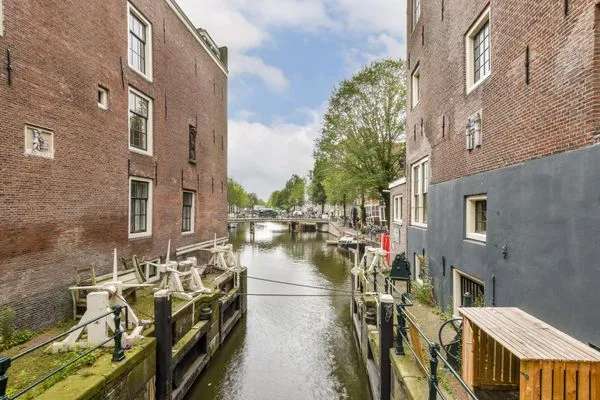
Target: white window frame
{"type": "Point", "coordinates": [415, 86]}
{"type": "Point", "coordinates": [397, 209]}
{"type": "Point", "coordinates": [103, 105]}
{"type": "Point", "coordinates": [423, 187]}
{"type": "Point", "coordinates": [148, 48]}
{"type": "Point", "coordinates": [1, 18]}
{"type": "Point", "coordinates": [456, 294]}
{"type": "Point", "coordinates": [484, 18]}
{"type": "Point", "coordinates": [149, 128]}
{"type": "Point", "coordinates": [193, 213]}
{"type": "Point", "coordinates": [416, 13]}
{"type": "Point", "coordinates": [418, 267]}
{"type": "Point", "coordinates": [148, 232]}
{"type": "Point", "coordinates": [470, 217]}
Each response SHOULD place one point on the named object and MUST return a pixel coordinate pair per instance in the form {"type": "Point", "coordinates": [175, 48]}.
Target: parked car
{"type": "Point", "coordinates": [297, 213]}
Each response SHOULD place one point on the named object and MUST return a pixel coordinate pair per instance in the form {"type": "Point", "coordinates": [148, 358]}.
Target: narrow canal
{"type": "Point", "coordinates": [289, 348]}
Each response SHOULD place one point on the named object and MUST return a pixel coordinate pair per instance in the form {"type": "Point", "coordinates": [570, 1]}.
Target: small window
{"type": "Point", "coordinates": [467, 291]}
{"type": "Point", "coordinates": [476, 217]}
{"type": "Point", "coordinates": [102, 98]}
{"type": "Point", "coordinates": [478, 46]}
{"type": "Point", "coordinates": [140, 122]}
{"type": "Point", "coordinates": [192, 143]}
{"type": "Point", "coordinates": [140, 43]}
{"type": "Point", "coordinates": [416, 12]}
{"type": "Point", "coordinates": [397, 209]}
{"type": "Point", "coordinates": [1, 19]}
{"type": "Point", "coordinates": [140, 207]}
{"type": "Point", "coordinates": [39, 142]}
{"type": "Point", "coordinates": [187, 223]}
{"type": "Point", "coordinates": [420, 188]}
{"type": "Point", "coordinates": [416, 86]}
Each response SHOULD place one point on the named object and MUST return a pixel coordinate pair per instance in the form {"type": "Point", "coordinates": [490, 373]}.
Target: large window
{"type": "Point", "coordinates": [140, 122]}
{"type": "Point", "coordinates": [478, 47]}
{"type": "Point", "coordinates": [397, 209]}
{"type": "Point", "coordinates": [187, 221]}
{"type": "Point", "coordinates": [140, 207]}
{"type": "Point", "coordinates": [476, 217]}
{"type": "Point", "coordinates": [420, 184]}
{"type": "Point", "coordinates": [140, 43]}
{"type": "Point", "coordinates": [416, 86]}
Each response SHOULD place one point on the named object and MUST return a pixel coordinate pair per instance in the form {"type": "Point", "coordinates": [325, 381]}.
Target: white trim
{"type": "Point", "coordinates": [190, 26]}
{"type": "Point", "coordinates": [149, 127]}
{"type": "Point", "coordinates": [415, 82]}
{"type": "Point", "coordinates": [1, 18]}
{"type": "Point", "coordinates": [193, 216]}
{"type": "Point", "coordinates": [456, 295]}
{"type": "Point", "coordinates": [398, 182]}
{"type": "Point", "coordinates": [149, 39]}
{"type": "Point", "coordinates": [103, 105]}
{"type": "Point", "coordinates": [423, 187]}
{"type": "Point", "coordinates": [470, 218]}
{"type": "Point", "coordinates": [469, 42]}
{"type": "Point", "coordinates": [148, 232]}
{"type": "Point", "coordinates": [418, 267]}
{"type": "Point", "coordinates": [416, 16]}
{"type": "Point", "coordinates": [397, 209]}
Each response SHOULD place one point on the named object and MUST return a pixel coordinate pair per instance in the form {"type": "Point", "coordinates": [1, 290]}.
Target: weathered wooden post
{"type": "Point", "coordinates": [164, 345]}
{"type": "Point", "coordinates": [244, 290]}
{"type": "Point", "coordinates": [386, 342]}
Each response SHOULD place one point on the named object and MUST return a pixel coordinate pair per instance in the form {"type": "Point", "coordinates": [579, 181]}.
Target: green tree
{"type": "Point", "coordinates": [291, 196]}
{"type": "Point", "coordinates": [361, 141]}
{"type": "Point", "coordinates": [316, 190]}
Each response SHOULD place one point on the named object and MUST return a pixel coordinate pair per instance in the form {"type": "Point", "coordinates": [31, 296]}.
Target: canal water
{"type": "Point", "coordinates": [289, 348]}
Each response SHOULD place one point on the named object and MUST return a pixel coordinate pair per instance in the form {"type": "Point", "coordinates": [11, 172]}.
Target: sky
{"type": "Point", "coordinates": [285, 59]}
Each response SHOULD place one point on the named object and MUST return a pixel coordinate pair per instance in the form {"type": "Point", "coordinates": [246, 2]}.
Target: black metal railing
{"type": "Point", "coordinates": [402, 341]}
{"type": "Point", "coordinates": [118, 354]}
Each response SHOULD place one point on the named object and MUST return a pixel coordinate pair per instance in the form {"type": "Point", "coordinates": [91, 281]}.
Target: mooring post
{"type": "Point", "coordinates": [433, 366]}
{"type": "Point", "coordinates": [374, 279]}
{"type": "Point", "coordinates": [164, 345]}
{"type": "Point", "coordinates": [244, 290]}
{"type": "Point", "coordinates": [386, 342]}
{"type": "Point", "coordinates": [4, 366]}
{"type": "Point", "coordinates": [118, 352]}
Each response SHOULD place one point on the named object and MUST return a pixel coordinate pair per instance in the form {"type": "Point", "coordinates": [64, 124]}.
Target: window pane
{"type": "Point", "coordinates": [138, 121]}
{"type": "Point", "coordinates": [481, 52]}
{"type": "Point", "coordinates": [481, 216]}
{"type": "Point", "coordinates": [139, 206]}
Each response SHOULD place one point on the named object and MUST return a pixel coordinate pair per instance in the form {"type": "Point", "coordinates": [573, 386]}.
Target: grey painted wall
{"type": "Point", "coordinates": [547, 213]}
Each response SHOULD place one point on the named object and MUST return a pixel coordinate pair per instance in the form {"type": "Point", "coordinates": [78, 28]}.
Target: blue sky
{"type": "Point", "coordinates": [286, 56]}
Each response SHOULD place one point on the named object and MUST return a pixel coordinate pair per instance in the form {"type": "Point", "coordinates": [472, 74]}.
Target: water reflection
{"type": "Point", "coordinates": [288, 347]}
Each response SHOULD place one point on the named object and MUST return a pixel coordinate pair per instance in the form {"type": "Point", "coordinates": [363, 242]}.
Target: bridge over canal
{"type": "Point", "coordinates": [294, 223]}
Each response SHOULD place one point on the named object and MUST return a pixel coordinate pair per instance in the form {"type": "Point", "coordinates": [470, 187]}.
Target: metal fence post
{"type": "Point", "coordinates": [400, 329]}
{"type": "Point", "coordinates": [433, 366]}
{"type": "Point", "coordinates": [118, 352]}
{"type": "Point", "coordinates": [375, 279]}
{"type": "Point", "coordinates": [4, 366]}
{"type": "Point", "coordinates": [164, 345]}
{"type": "Point", "coordinates": [386, 342]}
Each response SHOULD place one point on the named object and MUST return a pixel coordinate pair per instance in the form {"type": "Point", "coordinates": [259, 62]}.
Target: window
{"type": "Point", "coordinates": [192, 143]}
{"type": "Point", "coordinates": [102, 98]}
{"type": "Point", "coordinates": [478, 47]}
{"type": "Point", "coordinates": [467, 291]}
{"type": "Point", "coordinates": [1, 19]}
{"type": "Point", "coordinates": [187, 221]}
{"type": "Point", "coordinates": [476, 218]}
{"type": "Point", "coordinates": [397, 209]}
{"type": "Point", "coordinates": [420, 185]}
{"type": "Point", "coordinates": [39, 142]}
{"type": "Point", "coordinates": [416, 86]}
{"type": "Point", "coordinates": [140, 207]}
{"type": "Point", "coordinates": [416, 12]}
{"type": "Point", "coordinates": [140, 122]}
{"type": "Point", "coordinates": [140, 43]}
{"type": "Point", "coordinates": [420, 262]}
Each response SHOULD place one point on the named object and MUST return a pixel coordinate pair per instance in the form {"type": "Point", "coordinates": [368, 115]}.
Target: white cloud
{"type": "Point", "coordinates": [264, 156]}
{"type": "Point", "coordinates": [273, 77]}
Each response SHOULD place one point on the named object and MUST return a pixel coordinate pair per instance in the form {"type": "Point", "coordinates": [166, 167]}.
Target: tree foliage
{"type": "Point", "coordinates": [291, 196]}
{"type": "Point", "coordinates": [361, 148]}
{"type": "Point", "coordinates": [239, 197]}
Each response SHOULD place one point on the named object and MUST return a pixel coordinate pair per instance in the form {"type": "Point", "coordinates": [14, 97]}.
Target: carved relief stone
{"type": "Point", "coordinates": [39, 142]}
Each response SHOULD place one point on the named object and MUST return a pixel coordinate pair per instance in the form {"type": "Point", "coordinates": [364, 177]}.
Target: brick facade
{"type": "Point", "coordinates": [70, 211]}
{"type": "Point", "coordinates": [558, 110]}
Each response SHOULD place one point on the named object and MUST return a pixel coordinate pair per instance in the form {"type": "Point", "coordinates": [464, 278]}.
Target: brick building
{"type": "Point", "coordinates": [113, 123]}
{"type": "Point", "coordinates": [503, 165]}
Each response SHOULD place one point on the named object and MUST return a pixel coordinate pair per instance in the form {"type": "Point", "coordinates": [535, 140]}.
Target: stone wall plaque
{"type": "Point", "coordinates": [39, 142]}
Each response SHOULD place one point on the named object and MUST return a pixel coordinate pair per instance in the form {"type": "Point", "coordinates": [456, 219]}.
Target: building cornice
{"type": "Point", "coordinates": [190, 26]}
{"type": "Point", "coordinates": [397, 182]}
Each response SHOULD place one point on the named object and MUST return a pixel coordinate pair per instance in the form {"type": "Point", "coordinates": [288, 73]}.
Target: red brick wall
{"type": "Point", "coordinates": [71, 211]}
{"type": "Point", "coordinates": [558, 111]}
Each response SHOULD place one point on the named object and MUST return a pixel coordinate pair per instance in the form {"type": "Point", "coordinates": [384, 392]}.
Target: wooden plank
{"type": "Point", "coordinates": [547, 374]}
{"type": "Point", "coordinates": [476, 332]}
{"type": "Point", "coordinates": [525, 385]}
{"type": "Point", "coordinates": [468, 353]}
{"type": "Point", "coordinates": [571, 381]}
{"type": "Point", "coordinates": [583, 382]}
{"type": "Point", "coordinates": [415, 340]}
{"type": "Point", "coordinates": [506, 371]}
{"type": "Point", "coordinates": [559, 381]}
{"type": "Point", "coordinates": [595, 382]}
{"type": "Point", "coordinates": [535, 379]}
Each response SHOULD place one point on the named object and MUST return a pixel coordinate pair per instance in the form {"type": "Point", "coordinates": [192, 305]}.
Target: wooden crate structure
{"type": "Point", "coordinates": [505, 348]}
